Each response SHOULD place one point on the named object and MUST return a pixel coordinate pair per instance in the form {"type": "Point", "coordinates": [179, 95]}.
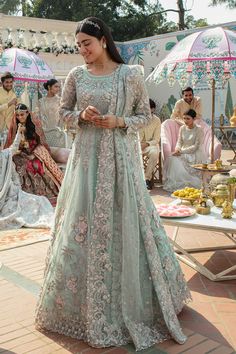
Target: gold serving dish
{"type": "Point", "coordinates": [186, 199]}
{"type": "Point", "coordinates": [183, 194]}
{"type": "Point", "coordinates": [211, 167]}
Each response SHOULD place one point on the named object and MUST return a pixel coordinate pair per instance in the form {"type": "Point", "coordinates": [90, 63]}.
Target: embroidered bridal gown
{"type": "Point", "coordinates": [179, 172]}
{"type": "Point", "coordinates": [111, 276]}
{"type": "Point", "coordinates": [18, 208]}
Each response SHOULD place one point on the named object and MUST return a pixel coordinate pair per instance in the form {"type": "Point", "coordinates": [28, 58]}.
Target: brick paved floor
{"type": "Point", "coordinates": [209, 320]}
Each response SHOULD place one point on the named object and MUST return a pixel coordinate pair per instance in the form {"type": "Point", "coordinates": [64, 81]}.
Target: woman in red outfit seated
{"type": "Point", "coordinates": [39, 174]}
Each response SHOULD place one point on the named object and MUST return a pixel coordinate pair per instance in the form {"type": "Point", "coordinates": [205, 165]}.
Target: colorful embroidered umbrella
{"type": "Point", "coordinates": [205, 55]}
{"type": "Point", "coordinates": [25, 66]}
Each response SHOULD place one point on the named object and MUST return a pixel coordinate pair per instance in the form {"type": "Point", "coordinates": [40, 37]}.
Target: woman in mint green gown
{"type": "Point", "coordinates": [111, 276]}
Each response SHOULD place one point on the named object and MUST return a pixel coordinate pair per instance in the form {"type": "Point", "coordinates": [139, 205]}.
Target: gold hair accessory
{"type": "Point", "coordinates": [21, 110]}
{"type": "Point", "coordinates": [88, 22]}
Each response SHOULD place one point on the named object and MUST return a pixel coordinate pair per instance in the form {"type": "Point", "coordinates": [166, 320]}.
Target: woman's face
{"type": "Point", "coordinates": [90, 47]}
{"type": "Point", "coordinates": [188, 120]}
{"type": "Point", "coordinates": [22, 116]}
{"type": "Point", "coordinates": [54, 89]}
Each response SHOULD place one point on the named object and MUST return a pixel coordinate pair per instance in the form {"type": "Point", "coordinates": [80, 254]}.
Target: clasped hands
{"type": "Point", "coordinates": [176, 153]}
{"type": "Point", "coordinates": [91, 114]}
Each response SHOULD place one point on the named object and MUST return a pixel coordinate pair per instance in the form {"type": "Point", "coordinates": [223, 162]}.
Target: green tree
{"type": "Point", "coordinates": [229, 107]}
{"type": "Point", "coordinates": [231, 4]}
{"type": "Point", "coordinates": [10, 7]}
{"type": "Point", "coordinates": [128, 19]}
{"type": "Point", "coordinates": [192, 23]}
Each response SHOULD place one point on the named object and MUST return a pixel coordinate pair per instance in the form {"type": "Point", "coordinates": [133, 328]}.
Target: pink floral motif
{"type": "Point", "coordinates": [80, 229]}
{"type": "Point", "coordinates": [59, 302]}
{"type": "Point", "coordinates": [72, 284]}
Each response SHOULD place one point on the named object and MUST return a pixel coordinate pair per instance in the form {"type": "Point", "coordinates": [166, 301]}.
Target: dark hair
{"type": "Point", "coordinates": [30, 127]}
{"type": "Point", "coordinates": [6, 76]}
{"type": "Point", "coordinates": [191, 113]}
{"type": "Point", "coordinates": [187, 89]}
{"type": "Point", "coordinates": [49, 83]}
{"type": "Point", "coordinates": [95, 27]}
{"type": "Point", "coordinates": [152, 104]}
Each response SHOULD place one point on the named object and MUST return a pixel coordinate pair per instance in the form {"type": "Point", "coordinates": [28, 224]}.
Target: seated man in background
{"type": "Point", "coordinates": [187, 102]}
{"type": "Point", "coordinates": [149, 139]}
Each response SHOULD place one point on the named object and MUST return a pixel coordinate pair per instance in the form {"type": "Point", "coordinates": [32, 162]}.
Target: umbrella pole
{"type": "Point", "coordinates": [213, 120]}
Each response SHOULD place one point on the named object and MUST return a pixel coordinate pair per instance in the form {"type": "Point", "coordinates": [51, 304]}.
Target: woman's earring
{"type": "Point", "coordinates": [104, 45]}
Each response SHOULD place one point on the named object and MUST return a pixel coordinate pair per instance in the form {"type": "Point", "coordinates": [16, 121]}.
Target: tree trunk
{"type": "Point", "coordinates": [23, 7]}
{"type": "Point", "coordinates": [181, 11]}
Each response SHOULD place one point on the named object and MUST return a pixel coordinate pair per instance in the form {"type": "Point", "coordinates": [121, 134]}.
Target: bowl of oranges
{"type": "Point", "coordinates": [188, 194]}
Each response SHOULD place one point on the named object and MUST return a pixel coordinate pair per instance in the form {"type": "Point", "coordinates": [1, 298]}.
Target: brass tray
{"type": "Point", "coordinates": [212, 167]}
{"type": "Point", "coordinates": [187, 199]}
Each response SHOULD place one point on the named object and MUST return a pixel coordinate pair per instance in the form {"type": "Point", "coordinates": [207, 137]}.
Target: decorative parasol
{"type": "Point", "coordinates": [208, 55]}
{"type": "Point", "coordinates": [25, 66]}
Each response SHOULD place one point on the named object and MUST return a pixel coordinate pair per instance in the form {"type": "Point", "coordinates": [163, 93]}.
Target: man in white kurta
{"type": "Point", "coordinates": [150, 138]}
{"type": "Point", "coordinates": [187, 102]}
{"type": "Point", "coordinates": [8, 101]}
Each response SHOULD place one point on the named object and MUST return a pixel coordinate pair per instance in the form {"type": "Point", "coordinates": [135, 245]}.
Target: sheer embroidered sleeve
{"type": "Point", "coordinates": [16, 143]}
{"type": "Point", "coordinates": [179, 143]}
{"type": "Point", "coordinates": [138, 97]}
{"type": "Point", "coordinates": [67, 111]}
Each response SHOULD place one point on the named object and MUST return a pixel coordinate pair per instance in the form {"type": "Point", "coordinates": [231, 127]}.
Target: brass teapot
{"type": "Point", "coordinates": [220, 195]}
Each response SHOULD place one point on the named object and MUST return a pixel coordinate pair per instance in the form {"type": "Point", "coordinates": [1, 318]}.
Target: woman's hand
{"type": "Point", "coordinates": [21, 128]}
{"type": "Point", "coordinates": [176, 153]}
{"type": "Point", "coordinates": [89, 113]}
{"type": "Point", "coordinates": [144, 145]}
{"type": "Point", "coordinates": [109, 121]}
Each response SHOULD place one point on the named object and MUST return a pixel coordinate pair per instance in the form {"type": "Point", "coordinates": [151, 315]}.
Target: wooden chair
{"type": "Point", "coordinates": [157, 170]}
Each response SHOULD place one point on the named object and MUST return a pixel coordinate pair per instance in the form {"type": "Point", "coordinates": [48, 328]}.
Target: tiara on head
{"type": "Point", "coordinates": [21, 110]}
{"type": "Point", "coordinates": [88, 22]}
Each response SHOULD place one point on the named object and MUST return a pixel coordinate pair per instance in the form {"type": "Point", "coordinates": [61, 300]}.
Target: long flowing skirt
{"type": "Point", "coordinates": [111, 276]}
{"type": "Point", "coordinates": [180, 174]}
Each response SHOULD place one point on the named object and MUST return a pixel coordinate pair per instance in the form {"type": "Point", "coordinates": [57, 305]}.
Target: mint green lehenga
{"type": "Point", "coordinates": [111, 276]}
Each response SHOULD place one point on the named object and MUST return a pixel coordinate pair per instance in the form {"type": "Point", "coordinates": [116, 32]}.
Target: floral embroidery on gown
{"type": "Point", "coordinates": [111, 276]}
